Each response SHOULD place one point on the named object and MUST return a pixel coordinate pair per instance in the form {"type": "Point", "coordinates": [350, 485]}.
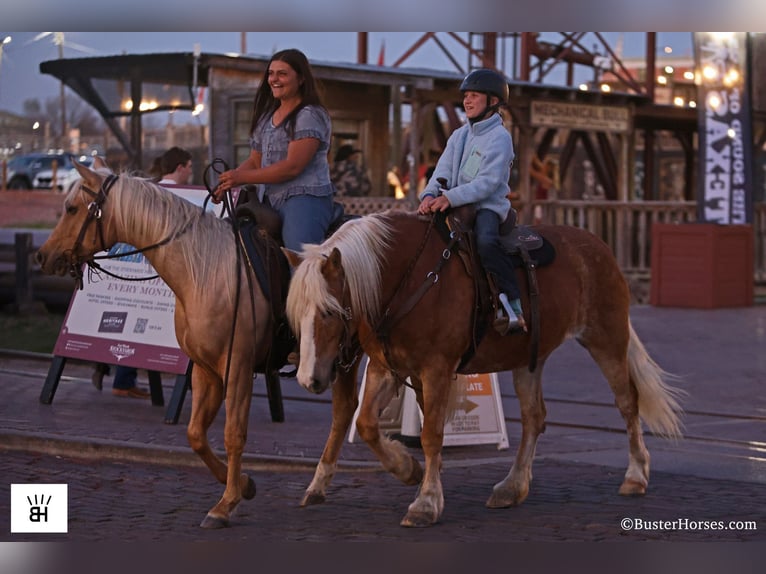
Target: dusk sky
{"type": "Point", "coordinates": [21, 79]}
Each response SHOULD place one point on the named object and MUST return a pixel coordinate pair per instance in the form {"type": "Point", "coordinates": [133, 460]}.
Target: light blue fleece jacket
{"type": "Point", "coordinates": [477, 166]}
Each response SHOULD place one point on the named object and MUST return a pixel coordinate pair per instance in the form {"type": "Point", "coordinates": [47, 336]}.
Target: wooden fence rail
{"type": "Point", "coordinates": [625, 226]}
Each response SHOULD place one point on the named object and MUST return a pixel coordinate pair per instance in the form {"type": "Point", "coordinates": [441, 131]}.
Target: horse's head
{"type": "Point", "coordinates": [320, 315]}
{"type": "Point", "coordinates": [336, 291]}
{"type": "Point", "coordinates": [82, 229]}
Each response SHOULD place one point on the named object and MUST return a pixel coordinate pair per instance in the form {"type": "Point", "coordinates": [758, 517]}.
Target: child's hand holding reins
{"type": "Point", "coordinates": [431, 204]}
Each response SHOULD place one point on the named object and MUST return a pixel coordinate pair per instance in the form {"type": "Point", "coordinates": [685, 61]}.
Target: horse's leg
{"type": "Point", "coordinates": [379, 390]}
{"type": "Point", "coordinates": [344, 401]}
{"type": "Point", "coordinates": [206, 401]}
{"type": "Point", "coordinates": [610, 353]}
{"type": "Point", "coordinates": [514, 488]}
{"type": "Point", "coordinates": [428, 506]}
{"type": "Point", "coordinates": [238, 485]}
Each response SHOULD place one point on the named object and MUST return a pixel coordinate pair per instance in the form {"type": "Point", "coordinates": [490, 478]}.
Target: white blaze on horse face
{"type": "Point", "coordinates": [308, 350]}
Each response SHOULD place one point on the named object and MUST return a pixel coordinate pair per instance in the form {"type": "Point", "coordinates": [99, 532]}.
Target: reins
{"type": "Point", "coordinates": [218, 166]}
{"type": "Point", "coordinates": [94, 214]}
{"type": "Point", "coordinates": [383, 329]}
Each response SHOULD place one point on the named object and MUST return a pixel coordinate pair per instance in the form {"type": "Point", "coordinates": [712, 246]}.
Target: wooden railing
{"type": "Point", "coordinates": [625, 226]}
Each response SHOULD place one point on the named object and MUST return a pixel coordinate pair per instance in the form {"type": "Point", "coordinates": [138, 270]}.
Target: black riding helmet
{"type": "Point", "coordinates": [488, 82]}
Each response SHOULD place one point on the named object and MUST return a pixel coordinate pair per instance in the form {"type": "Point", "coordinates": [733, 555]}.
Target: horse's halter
{"type": "Point", "coordinates": [348, 346]}
{"type": "Point", "coordinates": [94, 214]}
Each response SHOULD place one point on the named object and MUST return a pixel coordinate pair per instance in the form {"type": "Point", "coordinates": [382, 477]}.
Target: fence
{"type": "Point", "coordinates": [625, 226]}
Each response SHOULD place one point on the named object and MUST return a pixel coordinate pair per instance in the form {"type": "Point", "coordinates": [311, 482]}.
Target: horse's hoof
{"type": "Point", "coordinates": [214, 522]}
{"type": "Point", "coordinates": [499, 499]}
{"type": "Point", "coordinates": [417, 520]}
{"type": "Point", "coordinates": [248, 493]}
{"type": "Point", "coordinates": [632, 488]}
{"type": "Point", "coordinates": [312, 498]}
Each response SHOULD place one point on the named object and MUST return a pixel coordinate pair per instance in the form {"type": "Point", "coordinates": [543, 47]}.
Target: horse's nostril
{"type": "Point", "coordinates": [39, 258]}
{"type": "Point", "coordinates": [316, 386]}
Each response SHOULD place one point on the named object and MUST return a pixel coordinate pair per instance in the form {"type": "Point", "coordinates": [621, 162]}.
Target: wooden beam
{"type": "Point", "coordinates": [610, 190]}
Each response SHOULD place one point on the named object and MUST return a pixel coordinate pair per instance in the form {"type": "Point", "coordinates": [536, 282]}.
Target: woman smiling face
{"type": "Point", "coordinates": [283, 80]}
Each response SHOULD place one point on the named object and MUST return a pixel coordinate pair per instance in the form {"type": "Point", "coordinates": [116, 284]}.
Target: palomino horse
{"type": "Point", "coordinates": [345, 289]}
{"type": "Point", "coordinates": [196, 256]}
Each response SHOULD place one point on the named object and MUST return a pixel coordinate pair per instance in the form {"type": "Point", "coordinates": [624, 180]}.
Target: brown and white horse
{"type": "Point", "coordinates": [197, 259]}
{"type": "Point", "coordinates": [343, 289]}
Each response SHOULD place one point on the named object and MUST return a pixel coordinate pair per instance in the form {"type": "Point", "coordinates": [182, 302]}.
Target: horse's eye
{"type": "Point", "coordinates": [71, 209]}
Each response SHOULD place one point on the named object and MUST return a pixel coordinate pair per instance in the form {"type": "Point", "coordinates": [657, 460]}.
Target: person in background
{"type": "Point", "coordinates": [291, 133]}
{"type": "Point", "coordinates": [428, 170]}
{"type": "Point", "coordinates": [395, 187]}
{"type": "Point", "coordinates": [347, 175]}
{"type": "Point", "coordinates": [476, 164]}
{"type": "Point", "coordinates": [174, 168]}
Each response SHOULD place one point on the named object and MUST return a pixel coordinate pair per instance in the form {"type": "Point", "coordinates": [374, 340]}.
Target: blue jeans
{"type": "Point", "coordinates": [305, 219]}
{"type": "Point", "coordinates": [124, 378]}
{"type": "Point", "coordinates": [493, 257]}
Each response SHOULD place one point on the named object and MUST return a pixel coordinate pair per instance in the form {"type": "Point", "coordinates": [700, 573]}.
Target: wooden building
{"type": "Point", "coordinates": [368, 104]}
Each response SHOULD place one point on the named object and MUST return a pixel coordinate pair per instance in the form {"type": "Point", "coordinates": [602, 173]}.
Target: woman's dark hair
{"type": "Point", "coordinates": [266, 104]}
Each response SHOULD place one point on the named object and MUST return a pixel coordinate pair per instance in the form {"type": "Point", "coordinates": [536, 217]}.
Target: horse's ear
{"type": "Point", "coordinates": [293, 257]}
{"type": "Point", "coordinates": [99, 163]}
{"type": "Point", "coordinates": [332, 268]}
{"type": "Point", "coordinates": [88, 175]}
{"type": "Point", "coordinates": [334, 260]}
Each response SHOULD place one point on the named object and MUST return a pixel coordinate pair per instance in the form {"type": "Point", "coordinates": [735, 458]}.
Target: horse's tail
{"type": "Point", "coordinates": [658, 402]}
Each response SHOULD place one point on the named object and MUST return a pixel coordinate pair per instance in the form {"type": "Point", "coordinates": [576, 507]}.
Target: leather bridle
{"type": "Point", "coordinates": [94, 215]}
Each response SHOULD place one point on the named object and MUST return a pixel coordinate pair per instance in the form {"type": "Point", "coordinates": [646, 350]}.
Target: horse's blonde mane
{"type": "Point", "coordinates": [152, 211]}
{"type": "Point", "coordinates": [361, 243]}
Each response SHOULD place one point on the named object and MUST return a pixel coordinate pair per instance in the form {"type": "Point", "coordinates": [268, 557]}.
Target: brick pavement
{"type": "Point", "coordinates": [111, 501]}
{"type": "Point", "coordinates": [133, 477]}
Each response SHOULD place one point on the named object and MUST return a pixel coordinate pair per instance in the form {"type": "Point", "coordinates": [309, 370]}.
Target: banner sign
{"type": "Point", "coordinates": [580, 116]}
{"type": "Point", "coordinates": [129, 323]}
{"type": "Point", "coordinates": [725, 131]}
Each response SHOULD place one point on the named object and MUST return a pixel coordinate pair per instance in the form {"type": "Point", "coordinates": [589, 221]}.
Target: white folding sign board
{"type": "Point", "coordinates": [478, 418]}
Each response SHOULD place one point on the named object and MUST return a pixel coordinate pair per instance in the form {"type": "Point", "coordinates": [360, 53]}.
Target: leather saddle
{"type": "Point", "coordinates": [259, 230]}
{"type": "Point", "coordinates": [527, 249]}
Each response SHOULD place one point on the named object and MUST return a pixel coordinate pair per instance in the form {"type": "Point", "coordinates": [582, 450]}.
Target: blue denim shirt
{"type": "Point", "coordinates": [272, 141]}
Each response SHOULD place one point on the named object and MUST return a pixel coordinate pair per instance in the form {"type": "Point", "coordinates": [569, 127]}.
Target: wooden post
{"type": "Point", "coordinates": [23, 247]}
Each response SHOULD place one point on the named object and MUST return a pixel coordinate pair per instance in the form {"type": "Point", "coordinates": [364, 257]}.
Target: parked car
{"type": "Point", "coordinates": [66, 175]}
{"type": "Point", "coordinates": [23, 169]}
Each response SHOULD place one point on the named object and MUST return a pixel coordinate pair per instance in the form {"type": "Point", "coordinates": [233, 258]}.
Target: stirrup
{"type": "Point", "coordinates": [509, 322]}
{"type": "Point", "coordinates": [509, 325]}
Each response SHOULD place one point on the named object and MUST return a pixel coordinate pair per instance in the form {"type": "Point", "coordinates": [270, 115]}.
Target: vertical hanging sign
{"type": "Point", "coordinates": [725, 138]}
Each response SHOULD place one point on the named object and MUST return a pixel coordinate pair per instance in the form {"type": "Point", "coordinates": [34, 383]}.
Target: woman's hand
{"type": "Point", "coordinates": [226, 181]}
